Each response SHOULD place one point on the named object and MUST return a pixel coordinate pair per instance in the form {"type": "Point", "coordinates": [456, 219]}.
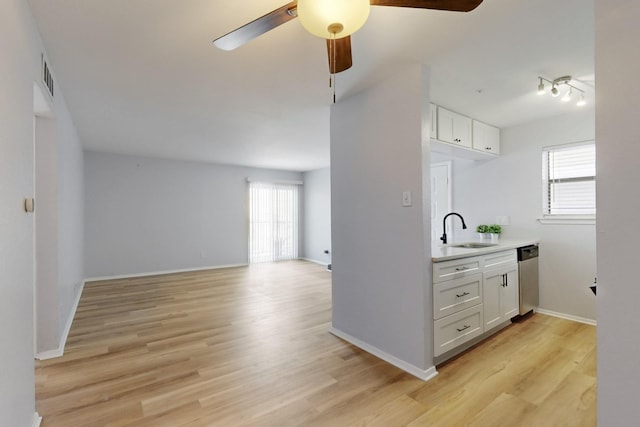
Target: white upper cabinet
{"type": "Point", "coordinates": [454, 128]}
{"type": "Point", "coordinates": [460, 136]}
{"type": "Point", "coordinates": [486, 138]}
{"type": "Point", "coordinates": [433, 109]}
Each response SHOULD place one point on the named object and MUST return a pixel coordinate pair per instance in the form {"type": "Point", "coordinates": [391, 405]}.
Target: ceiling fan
{"type": "Point", "coordinates": [333, 20]}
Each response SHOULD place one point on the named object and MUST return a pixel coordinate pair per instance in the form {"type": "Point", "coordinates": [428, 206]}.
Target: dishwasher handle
{"type": "Point", "coordinates": [527, 252]}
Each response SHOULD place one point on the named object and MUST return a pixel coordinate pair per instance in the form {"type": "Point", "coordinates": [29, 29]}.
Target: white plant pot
{"type": "Point", "coordinates": [485, 237]}
{"type": "Point", "coordinates": [489, 237]}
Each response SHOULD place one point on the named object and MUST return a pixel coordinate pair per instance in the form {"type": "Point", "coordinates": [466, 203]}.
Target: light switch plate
{"type": "Point", "coordinates": [502, 220]}
{"type": "Point", "coordinates": [406, 198]}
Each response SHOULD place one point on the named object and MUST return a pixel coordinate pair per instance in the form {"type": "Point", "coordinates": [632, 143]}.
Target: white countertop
{"type": "Point", "coordinates": [447, 252]}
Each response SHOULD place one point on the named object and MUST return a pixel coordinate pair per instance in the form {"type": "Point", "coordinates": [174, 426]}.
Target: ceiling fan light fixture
{"type": "Point", "coordinates": [323, 18]}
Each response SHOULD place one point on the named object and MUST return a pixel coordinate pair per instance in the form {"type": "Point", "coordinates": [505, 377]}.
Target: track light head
{"type": "Point", "coordinates": [541, 87]}
{"type": "Point", "coordinates": [581, 102]}
{"type": "Point", "coordinates": [554, 91]}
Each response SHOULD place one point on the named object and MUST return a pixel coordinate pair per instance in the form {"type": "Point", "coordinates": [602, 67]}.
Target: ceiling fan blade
{"type": "Point", "coordinates": [453, 5]}
{"type": "Point", "coordinates": [342, 59]}
{"type": "Point", "coordinates": [257, 27]}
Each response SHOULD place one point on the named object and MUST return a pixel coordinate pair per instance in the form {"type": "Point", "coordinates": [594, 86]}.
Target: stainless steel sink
{"type": "Point", "coordinates": [472, 245]}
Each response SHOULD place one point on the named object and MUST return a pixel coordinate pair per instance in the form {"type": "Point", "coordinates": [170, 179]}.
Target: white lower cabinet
{"type": "Point", "coordinates": [500, 295]}
{"type": "Point", "coordinates": [471, 296]}
{"type": "Point", "coordinates": [451, 331]}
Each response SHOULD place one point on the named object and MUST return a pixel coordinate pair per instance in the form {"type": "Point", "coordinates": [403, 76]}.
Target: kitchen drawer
{"type": "Point", "coordinates": [455, 295]}
{"type": "Point", "coordinates": [498, 259]}
{"type": "Point", "coordinates": [451, 331]}
{"type": "Point", "coordinates": [456, 268]}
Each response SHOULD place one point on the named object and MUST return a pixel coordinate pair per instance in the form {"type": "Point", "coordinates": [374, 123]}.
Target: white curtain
{"type": "Point", "coordinates": [273, 221]}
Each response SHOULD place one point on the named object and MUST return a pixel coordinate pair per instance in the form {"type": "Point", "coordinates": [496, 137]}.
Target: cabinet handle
{"type": "Point", "coordinates": [464, 294]}
{"type": "Point", "coordinates": [463, 268]}
{"type": "Point", "coordinates": [464, 328]}
{"type": "Point", "coordinates": [487, 148]}
{"type": "Point", "coordinates": [504, 281]}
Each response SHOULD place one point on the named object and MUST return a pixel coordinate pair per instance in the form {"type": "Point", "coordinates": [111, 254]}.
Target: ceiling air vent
{"type": "Point", "coordinates": [47, 78]}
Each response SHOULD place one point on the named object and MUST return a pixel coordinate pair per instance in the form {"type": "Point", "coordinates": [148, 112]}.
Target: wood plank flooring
{"type": "Point", "coordinates": [249, 346]}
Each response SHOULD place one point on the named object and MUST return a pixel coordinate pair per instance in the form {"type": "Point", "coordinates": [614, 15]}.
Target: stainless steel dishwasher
{"type": "Point", "coordinates": [528, 278]}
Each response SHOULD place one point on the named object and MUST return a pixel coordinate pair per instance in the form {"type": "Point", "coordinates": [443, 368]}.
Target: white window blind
{"type": "Point", "coordinates": [273, 221]}
{"type": "Point", "coordinates": [569, 180]}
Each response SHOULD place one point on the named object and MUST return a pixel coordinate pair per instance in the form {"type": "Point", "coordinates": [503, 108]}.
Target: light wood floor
{"type": "Point", "coordinates": [249, 347]}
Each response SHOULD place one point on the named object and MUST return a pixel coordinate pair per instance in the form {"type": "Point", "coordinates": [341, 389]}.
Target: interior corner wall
{"type": "Point", "coordinates": [618, 200]}
{"type": "Point", "coordinates": [146, 215]}
{"type": "Point", "coordinates": [381, 285]}
{"type": "Point", "coordinates": [317, 216]}
{"type": "Point", "coordinates": [20, 59]}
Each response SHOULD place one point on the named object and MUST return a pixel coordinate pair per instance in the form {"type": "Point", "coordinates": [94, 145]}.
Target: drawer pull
{"type": "Point", "coordinates": [464, 328]}
{"type": "Point", "coordinates": [464, 294]}
{"type": "Point", "coordinates": [463, 268]}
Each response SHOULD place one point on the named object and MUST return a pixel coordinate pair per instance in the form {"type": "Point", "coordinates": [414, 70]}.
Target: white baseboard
{"type": "Point", "coordinates": [423, 374]}
{"type": "Point", "coordinates": [315, 261]}
{"type": "Point", "coordinates": [567, 316]}
{"type": "Point", "coordinates": [58, 352]}
{"type": "Point", "coordinates": [156, 273]}
{"type": "Point", "coordinates": [37, 419]}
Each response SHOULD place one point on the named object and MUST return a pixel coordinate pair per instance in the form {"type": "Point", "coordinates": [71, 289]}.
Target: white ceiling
{"type": "Point", "coordinates": [142, 77]}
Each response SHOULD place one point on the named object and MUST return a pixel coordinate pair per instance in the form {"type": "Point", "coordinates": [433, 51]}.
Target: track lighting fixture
{"type": "Point", "coordinates": [562, 81]}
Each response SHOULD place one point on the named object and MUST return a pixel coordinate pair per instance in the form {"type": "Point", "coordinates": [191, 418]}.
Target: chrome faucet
{"type": "Point", "coordinates": [444, 225]}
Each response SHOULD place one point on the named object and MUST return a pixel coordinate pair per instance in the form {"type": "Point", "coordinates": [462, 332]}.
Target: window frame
{"type": "Point", "coordinates": [562, 218]}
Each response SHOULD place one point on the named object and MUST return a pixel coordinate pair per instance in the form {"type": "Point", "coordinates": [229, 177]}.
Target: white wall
{"type": "Point", "coordinates": [20, 49]}
{"type": "Point", "coordinates": [70, 182]}
{"type": "Point", "coordinates": [149, 215]}
{"type": "Point", "coordinates": [16, 228]}
{"type": "Point", "coordinates": [317, 215]}
{"type": "Point", "coordinates": [381, 264]}
{"type": "Point", "coordinates": [512, 185]}
{"type": "Point", "coordinates": [618, 193]}
{"type": "Point", "coordinates": [46, 233]}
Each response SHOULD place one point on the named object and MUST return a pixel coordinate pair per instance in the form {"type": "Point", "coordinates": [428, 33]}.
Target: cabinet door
{"type": "Point", "coordinates": [486, 138]}
{"type": "Point", "coordinates": [510, 294]}
{"type": "Point", "coordinates": [434, 120]}
{"type": "Point", "coordinates": [492, 283]}
{"type": "Point", "coordinates": [462, 130]}
{"type": "Point", "coordinates": [454, 128]}
{"type": "Point", "coordinates": [500, 295]}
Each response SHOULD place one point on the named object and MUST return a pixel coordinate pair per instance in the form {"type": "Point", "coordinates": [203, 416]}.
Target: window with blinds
{"type": "Point", "coordinates": [273, 221]}
{"type": "Point", "coordinates": [569, 180]}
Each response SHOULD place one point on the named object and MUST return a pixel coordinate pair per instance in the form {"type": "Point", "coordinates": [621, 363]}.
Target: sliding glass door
{"type": "Point", "coordinates": [273, 221]}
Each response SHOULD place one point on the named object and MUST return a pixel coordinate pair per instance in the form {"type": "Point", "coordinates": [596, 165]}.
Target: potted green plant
{"type": "Point", "coordinates": [494, 231]}
{"type": "Point", "coordinates": [483, 232]}
{"type": "Point", "coordinates": [489, 232]}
